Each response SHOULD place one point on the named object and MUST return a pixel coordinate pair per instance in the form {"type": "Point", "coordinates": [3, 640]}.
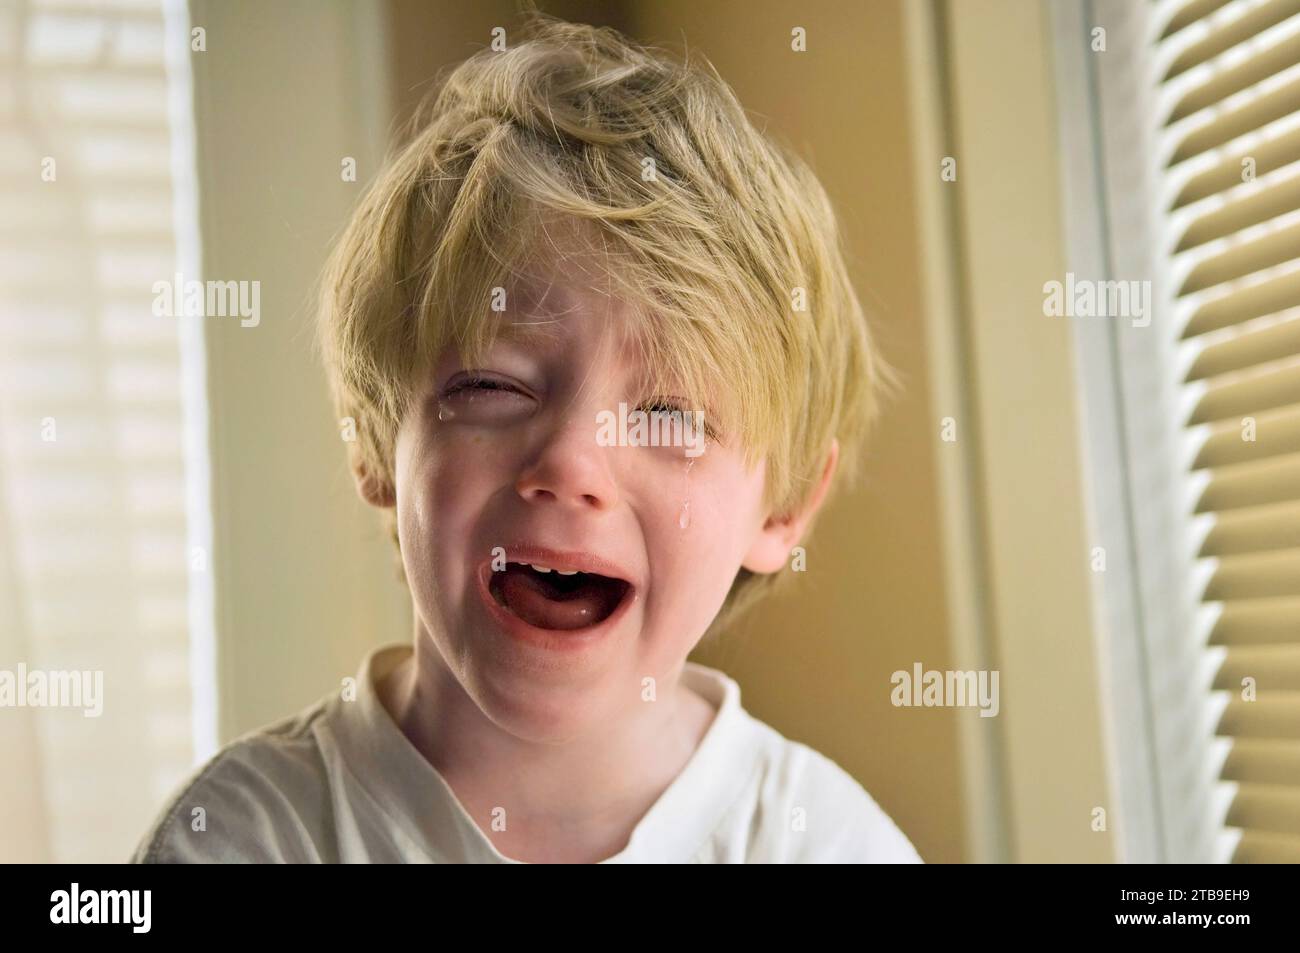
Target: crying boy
{"type": "Point", "coordinates": [579, 225]}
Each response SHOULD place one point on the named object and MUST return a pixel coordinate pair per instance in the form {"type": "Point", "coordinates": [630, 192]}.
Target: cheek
{"type": "Point", "coordinates": [440, 486]}
{"type": "Point", "coordinates": [725, 503]}
{"type": "Point", "coordinates": [696, 564]}
{"type": "Point", "coordinates": [441, 474]}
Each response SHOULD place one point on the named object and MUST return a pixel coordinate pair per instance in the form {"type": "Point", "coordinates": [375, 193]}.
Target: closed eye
{"type": "Point", "coordinates": [663, 408]}
{"type": "Point", "coordinates": [478, 400]}
{"type": "Point", "coordinates": [666, 405]}
{"type": "Point", "coordinates": [480, 383]}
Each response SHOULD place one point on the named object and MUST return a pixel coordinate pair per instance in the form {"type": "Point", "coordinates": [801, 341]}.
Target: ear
{"type": "Point", "coordinates": [371, 488]}
{"type": "Point", "coordinates": [771, 548]}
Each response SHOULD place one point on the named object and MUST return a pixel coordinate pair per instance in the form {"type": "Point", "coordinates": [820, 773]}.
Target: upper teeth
{"type": "Point", "coordinates": [562, 572]}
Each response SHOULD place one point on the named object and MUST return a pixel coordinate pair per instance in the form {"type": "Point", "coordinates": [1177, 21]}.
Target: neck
{"type": "Point", "coordinates": [600, 782]}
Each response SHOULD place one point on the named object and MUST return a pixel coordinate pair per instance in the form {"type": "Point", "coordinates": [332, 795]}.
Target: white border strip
{"type": "Point", "coordinates": [194, 385]}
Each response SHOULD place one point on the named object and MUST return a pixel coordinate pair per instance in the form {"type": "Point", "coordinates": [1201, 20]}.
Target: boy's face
{"type": "Point", "coordinates": [502, 465]}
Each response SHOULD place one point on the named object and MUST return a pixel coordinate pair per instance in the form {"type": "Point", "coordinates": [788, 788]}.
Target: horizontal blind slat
{"type": "Point", "coordinates": [1228, 35]}
{"type": "Point", "coordinates": [1275, 718]}
{"type": "Point", "coordinates": [1253, 530]}
{"type": "Point", "coordinates": [1260, 847]}
{"type": "Point", "coordinates": [1236, 216]}
{"type": "Point", "coordinates": [1258, 390]}
{"type": "Point", "coordinates": [1276, 433]}
{"type": "Point", "coordinates": [1281, 56]}
{"type": "Point", "coordinates": [1274, 248]}
{"type": "Point", "coordinates": [1258, 761]}
{"type": "Point", "coordinates": [1247, 348]}
{"type": "Point", "coordinates": [1255, 576]}
{"type": "Point", "coordinates": [1274, 668]}
{"type": "Point", "coordinates": [1257, 622]}
{"type": "Point", "coordinates": [1269, 296]}
{"type": "Point", "coordinates": [1272, 154]}
{"type": "Point", "coordinates": [1233, 123]}
{"type": "Point", "coordinates": [1252, 484]}
{"type": "Point", "coordinates": [1190, 13]}
{"type": "Point", "coordinates": [1262, 807]}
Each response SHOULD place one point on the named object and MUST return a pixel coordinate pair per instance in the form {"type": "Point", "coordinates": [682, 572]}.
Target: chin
{"type": "Point", "coordinates": [546, 712]}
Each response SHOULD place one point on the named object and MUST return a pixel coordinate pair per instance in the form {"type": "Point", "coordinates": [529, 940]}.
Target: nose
{"type": "Point", "coordinates": [570, 469]}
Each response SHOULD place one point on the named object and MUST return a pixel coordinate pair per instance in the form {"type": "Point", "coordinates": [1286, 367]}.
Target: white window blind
{"type": "Point", "coordinates": [1180, 130]}
{"type": "Point", "coordinates": [102, 551]}
{"type": "Point", "coordinates": [1229, 140]}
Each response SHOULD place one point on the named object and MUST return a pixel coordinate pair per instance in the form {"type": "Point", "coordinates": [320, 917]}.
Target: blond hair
{"type": "Point", "coordinates": [714, 233]}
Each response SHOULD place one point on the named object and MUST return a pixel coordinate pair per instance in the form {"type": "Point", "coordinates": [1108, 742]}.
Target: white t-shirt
{"type": "Point", "coordinates": [339, 782]}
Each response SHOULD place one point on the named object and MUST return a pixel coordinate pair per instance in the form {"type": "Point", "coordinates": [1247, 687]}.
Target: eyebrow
{"type": "Point", "coordinates": [543, 297]}
{"type": "Point", "coordinates": [537, 324]}
{"type": "Point", "coordinates": [528, 335]}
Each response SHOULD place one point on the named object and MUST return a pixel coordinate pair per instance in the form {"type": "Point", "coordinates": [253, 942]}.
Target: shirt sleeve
{"type": "Point", "coordinates": [229, 812]}
{"type": "Point", "coordinates": [835, 820]}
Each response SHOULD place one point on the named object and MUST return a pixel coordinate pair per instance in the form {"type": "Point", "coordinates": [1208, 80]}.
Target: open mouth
{"type": "Point", "coordinates": [551, 599]}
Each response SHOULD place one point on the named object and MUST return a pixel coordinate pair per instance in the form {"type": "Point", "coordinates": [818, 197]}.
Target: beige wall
{"type": "Point", "coordinates": [1024, 411]}
{"type": "Point", "coordinates": [283, 92]}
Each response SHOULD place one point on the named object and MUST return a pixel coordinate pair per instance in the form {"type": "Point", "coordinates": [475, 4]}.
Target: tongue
{"type": "Point", "coordinates": [547, 607]}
